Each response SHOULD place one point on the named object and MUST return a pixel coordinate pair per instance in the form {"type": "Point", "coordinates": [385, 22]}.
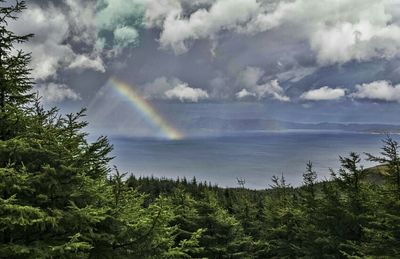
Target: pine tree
{"type": "Point", "coordinates": [309, 180]}
{"type": "Point", "coordinates": [283, 221]}
{"type": "Point", "coordinates": [353, 219]}
{"type": "Point", "coordinates": [15, 81]}
{"type": "Point", "coordinates": [390, 157]}
{"type": "Point", "coordinates": [56, 200]}
{"type": "Point", "coordinates": [223, 235]}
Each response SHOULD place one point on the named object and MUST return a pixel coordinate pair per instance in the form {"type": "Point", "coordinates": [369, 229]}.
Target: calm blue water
{"type": "Point", "coordinates": [254, 156]}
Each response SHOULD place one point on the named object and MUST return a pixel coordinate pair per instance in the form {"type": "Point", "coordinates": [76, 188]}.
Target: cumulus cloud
{"type": "Point", "coordinates": [203, 23]}
{"type": "Point", "coordinates": [84, 62]}
{"type": "Point", "coordinates": [324, 93]}
{"type": "Point", "coordinates": [50, 47]}
{"type": "Point", "coordinates": [173, 89]}
{"type": "Point", "coordinates": [378, 90]}
{"type": "Point", "coordinates": [360, 41]}
{"type": "Point", "coordinates": [271, 89]}
{"type": "Point", "coordinates": [157, 11]}
{"type": "Point", "coordinates": [337, 32]}
{"type": "Point", "coordinates": [80, 35]}
{"type": "Point", "coordinates": [53, 93]}
{"type": "Point", "coordinates": [157, 88]}
{"type": "Point", "coordinates": [242, 94]}
{"type": "Point", "coordinates": [184, 93]}
{"type": "Point", "coordinates": [251, 78]}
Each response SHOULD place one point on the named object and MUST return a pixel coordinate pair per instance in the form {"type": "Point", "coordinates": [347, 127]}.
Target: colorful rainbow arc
{"type": "Point", "coordinates": [146, 109]}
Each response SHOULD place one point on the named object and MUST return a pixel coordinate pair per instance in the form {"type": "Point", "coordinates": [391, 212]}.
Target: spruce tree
{"type": "Point", "coordinates": [15, 81]}
{"type": "Point", "coordinates": [56, 197]}
{"type": "Point", "coordinates": [309, 180]}
{"type": "Point", "coordinates": [390, 157]}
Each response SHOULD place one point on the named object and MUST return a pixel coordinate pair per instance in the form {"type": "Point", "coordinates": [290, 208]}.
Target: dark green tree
{"type": "Point", "coordinates": [309, 180]}
{"type": "Point", "coordinates": [15, 81]}
{"type": "Point", "coordinates": [390, 157]}
{"type": "Point", "coordinates": [56, 199]}
{"type": "Point", "coordinates": [351, 205]}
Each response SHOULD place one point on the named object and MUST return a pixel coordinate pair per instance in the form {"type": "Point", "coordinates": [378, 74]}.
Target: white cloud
{"type": "Point", "coordinates": [378, 90]}
{"type": "Point", "coordinates": [271, 89]}
{"type": "Point", "coordinates": [82, 21]}
{"type": "Point", "coordinates": [324, 93]}
{"type": "Point", "coordinates": [173, 89]}
{"type": "Point", "coordinates": [250, 78]}
{"type": "Point", "coordinates": [355, 41]}
{"type": "Point", "coordinates": [242, 94]}
{"type": "Point", "coordinates": [157, 88]}
{"type": "Point", "coordinates": [84, 62]}
{"type": "Point", "coordinates": [202, 24]}
{"type": "Point", "coordinates": [52, 93]}
{"type": "Point", "coordinates": [50, 48]}
{"type": "Point", "coordinates": [50, 28]}
{"type": "Point", "coordinates": [158, 10]}
{"type": "Point", "coordinates": [184, 93]}
{"type": "Point", "coordinates": [337, 32]}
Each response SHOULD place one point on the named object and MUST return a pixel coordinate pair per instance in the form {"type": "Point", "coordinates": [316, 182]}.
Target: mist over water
{"type": "Point", "coordinates": [254, 156]}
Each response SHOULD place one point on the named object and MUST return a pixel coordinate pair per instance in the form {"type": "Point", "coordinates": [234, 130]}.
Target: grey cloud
{"type": "Point", "coordinates": [337, 33]}
{"type": "Point", "coordinates": [250, 76]}
{"type": "Point", "coordinates": [157, 88]}
{"type": "Point", "coordinates": [54, 93]}
{"type": "Point", "coordinates": [250, 79]}
{"type": "Point", "coordinates": [274, 50]}
{"type": "Point", "coordinates": [50, 47]}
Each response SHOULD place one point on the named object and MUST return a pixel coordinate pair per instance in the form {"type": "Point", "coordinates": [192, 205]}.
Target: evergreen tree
{"type": "Point", "coordinates": [309, 180]}
{"type": "Point", "coordinates": [56, 200]}
{"type": "Point", "coordinates": [223, 236]}
{"type": "Point", "coordinates": [353, 209]}
{"type": "Point", "coordinates": [391, 158]}
{"type": "Point", "coordinates": [15, 81]}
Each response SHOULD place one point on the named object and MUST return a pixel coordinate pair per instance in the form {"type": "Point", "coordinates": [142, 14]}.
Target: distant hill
{"type": "Point", "coordinates": [212, 123]}
{"type": "Point", "coordinates": [377, 174]}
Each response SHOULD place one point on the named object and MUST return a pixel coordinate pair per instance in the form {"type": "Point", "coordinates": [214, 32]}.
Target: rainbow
{"type": "Point", "coordinates": [146, 109]}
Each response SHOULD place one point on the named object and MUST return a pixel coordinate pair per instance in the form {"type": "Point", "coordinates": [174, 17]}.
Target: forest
{"type": "Point", "coordinates": [60, 198]}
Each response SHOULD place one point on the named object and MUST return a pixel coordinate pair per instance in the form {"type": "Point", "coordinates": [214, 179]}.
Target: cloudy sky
{"type": "Point", "coordinates": [299, 60]}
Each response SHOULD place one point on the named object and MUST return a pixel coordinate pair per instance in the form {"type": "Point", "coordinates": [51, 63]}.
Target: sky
{"type": "Point", "coordinates": [295, 60]}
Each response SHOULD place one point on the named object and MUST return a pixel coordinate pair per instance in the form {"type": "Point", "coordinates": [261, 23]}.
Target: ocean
{"type": "Point", "coordinates": [253, 156]}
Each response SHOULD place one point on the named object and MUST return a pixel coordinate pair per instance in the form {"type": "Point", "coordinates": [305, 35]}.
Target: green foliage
{"type": "Point", "coordinates": [14, 73]}
{"type": "Point", "coordinates": [390, 157]}
{"type": "Point", "coordinates": [345, 217]}
{"type": "Point", "coordinates": [59, 198]}
{"type": "Point", "coordinates": [56, 197]}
